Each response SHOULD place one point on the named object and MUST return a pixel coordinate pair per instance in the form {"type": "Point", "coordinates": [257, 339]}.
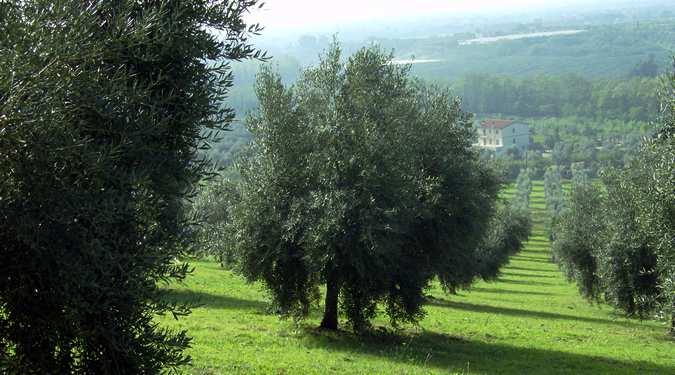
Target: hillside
{"type": "Point", "coordinates": [529, 321]}
{"type": "Point", "coordinates": [604, 51]}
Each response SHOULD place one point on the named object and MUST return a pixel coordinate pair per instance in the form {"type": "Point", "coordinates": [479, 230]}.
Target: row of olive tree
{"type": "Point", "coordinates": [509, 228]}
{"type": "Point", "coordinates": [555, 198]}
{"type": "Point", "coordinates": [365, 181]}
{"type": "Point", "coordinates": [616, 238]}
{"type": "Point", "coordinates": [521, 198]}
{"type": "Point", "coordinates": [103, 107]}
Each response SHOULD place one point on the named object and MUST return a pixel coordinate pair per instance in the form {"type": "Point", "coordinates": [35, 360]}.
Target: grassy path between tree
{"type": "Point", "coordinates": [530, 321]}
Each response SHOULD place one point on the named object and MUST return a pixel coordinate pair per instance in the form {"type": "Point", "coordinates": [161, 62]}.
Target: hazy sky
{"type": "Point", "coordinates": [293, 15]}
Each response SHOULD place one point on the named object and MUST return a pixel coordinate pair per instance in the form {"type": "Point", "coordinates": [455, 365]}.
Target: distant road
{"type": "Point", "coordinates": [518, 36]}
{"type": "Point", "coordinates": [414, 61]}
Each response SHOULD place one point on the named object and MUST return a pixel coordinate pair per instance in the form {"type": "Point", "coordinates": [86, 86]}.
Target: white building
{"type": "Point", "coordinates": [500, 135]}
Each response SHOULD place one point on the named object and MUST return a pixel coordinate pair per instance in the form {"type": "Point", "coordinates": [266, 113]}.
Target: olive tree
{"type": "Point", "coordinates": [521, 199]}
{"type": "Point", "coordinates": [364, 181]}
{"type": "Point", "coordinates": [615, 239]}
{"type": "Point", "coordinates": [103, 107]}
{"type": "Point", "coordinates": [646, 215]}
{"type": "Point", "coordinates": [657, 183]}
{"type": "Point", "coordinates": [627, 262]}
{"type": "Point", "coordinates": [579, 238]}
{"type": "Point", "coordinates": [509, 228]}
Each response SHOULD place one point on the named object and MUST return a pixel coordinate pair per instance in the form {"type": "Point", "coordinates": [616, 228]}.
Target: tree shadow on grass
{"type": "Point", "coordinates": [529, 275]}
{"type": "Point", "coordinates": [530, 259]}
{"type": "Point", "coordinates": [510, 291]}
{"type": "Point", "coordinates": [465, 306]}
{"type": "Point", "coordinates": [545, 259]}
{"type": "Point", "coordinates": [431, 350]}
{"type": "Point", "coordinates": [523, 282]}
{"type": "Point", "coordinates": [201, 299]}
{"type": "Point", "coordinates": [537, 248]}
{"type": "Point", "coordinates": [537, 243]}
{"type": "Point", "coordinates": [543, 255]}
{"type": "Point", "coordinates": [509, 267]}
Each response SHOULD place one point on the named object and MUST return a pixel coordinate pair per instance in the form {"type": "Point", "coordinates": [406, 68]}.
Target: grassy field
{"type": "Point", "coordinates": [530, 321]}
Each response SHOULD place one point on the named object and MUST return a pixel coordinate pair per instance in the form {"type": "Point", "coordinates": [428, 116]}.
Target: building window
{"type": "Point", "coordinates": [514, 131]}
{"type": "Point", "coordinates": [514, 141]}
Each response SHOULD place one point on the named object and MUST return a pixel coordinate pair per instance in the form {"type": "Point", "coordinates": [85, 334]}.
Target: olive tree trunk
{"type": "Point", "coordinates": [330, 313]}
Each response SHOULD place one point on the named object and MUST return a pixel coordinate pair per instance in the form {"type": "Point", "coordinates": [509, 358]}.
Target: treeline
{"type": "Point", "coordinates": [360, 179]}
{"type": "Point", "coordinates": [628, 99]}
{"type": "Point", "coordinates": [614, 238]}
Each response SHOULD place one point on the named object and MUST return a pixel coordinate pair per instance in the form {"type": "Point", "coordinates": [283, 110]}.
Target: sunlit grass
{"type": "Point", "coordinates": [530, 321]}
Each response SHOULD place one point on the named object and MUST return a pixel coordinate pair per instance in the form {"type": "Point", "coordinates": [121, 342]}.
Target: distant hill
{"type": "Point", "coordinates": [603, 56]}
{"type": "Point", "coordinates": [610, 51]}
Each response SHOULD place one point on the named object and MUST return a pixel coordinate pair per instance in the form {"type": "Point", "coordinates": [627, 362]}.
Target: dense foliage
{"type": "Point", "coordinates": [103, 106]}
{"type": "Point", "coordinates": [362, 180]}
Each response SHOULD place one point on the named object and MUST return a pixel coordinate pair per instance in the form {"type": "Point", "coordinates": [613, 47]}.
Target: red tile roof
{"type": "Point", "coordinates": [496, 124]}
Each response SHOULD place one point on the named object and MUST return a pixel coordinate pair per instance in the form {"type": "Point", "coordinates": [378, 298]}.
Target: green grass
{"type": "Point", "coordinates": [529, 321]}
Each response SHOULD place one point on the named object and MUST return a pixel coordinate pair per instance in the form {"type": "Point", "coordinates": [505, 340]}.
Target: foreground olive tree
{"type": "Point", "coordinates": [365, 182]}
{"type": "Point", "coordinates": [103, 107]}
